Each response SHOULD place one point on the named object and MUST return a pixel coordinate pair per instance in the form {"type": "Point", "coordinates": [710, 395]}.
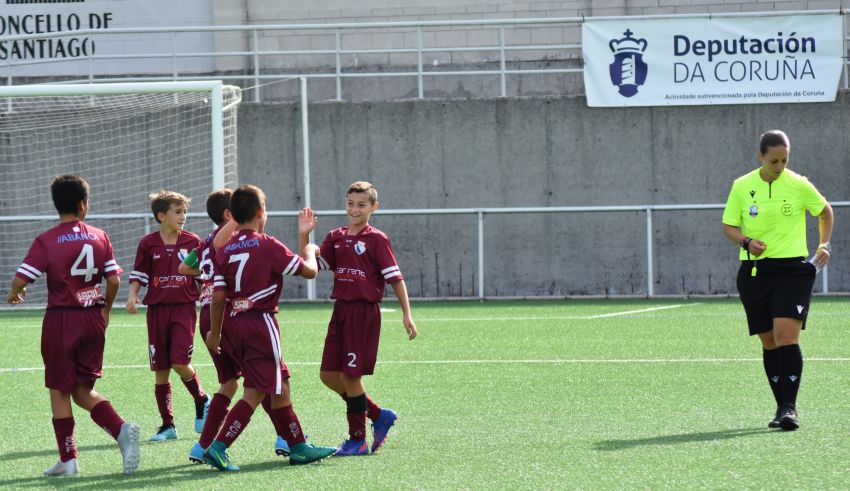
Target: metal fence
{"type": "Point", "coordinates": [496, 66]}
{"type": "Point", "coordinates": [480, 213]}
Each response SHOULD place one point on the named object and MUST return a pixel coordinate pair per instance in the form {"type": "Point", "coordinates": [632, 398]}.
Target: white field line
{"type": "Point", "coordinates": [555, 361]}
{"type": "Point", "coordinates": [640, 311]}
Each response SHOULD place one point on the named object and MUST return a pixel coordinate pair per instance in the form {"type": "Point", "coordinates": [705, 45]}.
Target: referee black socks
{"type": "Point", "coordinates": [771, 369]}
{"type": "Point", "coordinates": [790, 371]}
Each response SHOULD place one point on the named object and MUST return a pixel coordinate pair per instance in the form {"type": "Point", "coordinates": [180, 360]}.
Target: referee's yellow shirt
{"type": "Point", "coordinates": [773, 212]}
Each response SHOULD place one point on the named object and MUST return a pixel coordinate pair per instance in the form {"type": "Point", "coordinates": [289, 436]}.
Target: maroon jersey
{"type": "Point", "coordinates": [156, 268]}
{"type": "Point", "coordinates": [206, 254]}
{"type": "Point", "coordinates": [250, 267]}
{"type": "Point", "coordinates": [362, 263]}
{"type": "Point", "coordinates": [76, 258]}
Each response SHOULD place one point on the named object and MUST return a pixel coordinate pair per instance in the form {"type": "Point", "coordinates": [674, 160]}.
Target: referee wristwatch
{"type": "Point", "coordinates": [825, 246]}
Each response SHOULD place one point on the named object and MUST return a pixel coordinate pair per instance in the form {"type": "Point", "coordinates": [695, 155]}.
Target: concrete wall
{"type": "Point", "coordinates": [543, 152]}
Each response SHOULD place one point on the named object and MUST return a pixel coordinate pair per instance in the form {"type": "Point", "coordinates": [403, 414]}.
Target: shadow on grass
{"type": "Point", "coordinates": [706, 436]}
{"type": "Point", "coordinates": [144, 478]}
{"type": "Point", "coordinates": [53, 452]}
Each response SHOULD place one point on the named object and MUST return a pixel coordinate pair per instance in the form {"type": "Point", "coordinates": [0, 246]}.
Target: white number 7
{"type": "Point", "coordinates": [242, 258]}
{"type": "Point", "coordinates": [88, 270]}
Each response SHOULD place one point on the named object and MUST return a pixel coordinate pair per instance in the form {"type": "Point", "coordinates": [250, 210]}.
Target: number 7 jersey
{"type": "Point", "coordinates": [76, 257]}
{"type": "Point", "coordinates": [250, 267]}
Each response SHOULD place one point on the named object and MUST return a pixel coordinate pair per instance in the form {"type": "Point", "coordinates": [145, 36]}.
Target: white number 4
{"type": "Point", "coordinates": [353, 361]}
{"type": "Point", "coordinates": [88, 270]}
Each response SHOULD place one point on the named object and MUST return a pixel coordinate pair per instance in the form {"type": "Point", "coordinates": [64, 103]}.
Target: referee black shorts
{"type": "Point", "coordinates": [781, 288]}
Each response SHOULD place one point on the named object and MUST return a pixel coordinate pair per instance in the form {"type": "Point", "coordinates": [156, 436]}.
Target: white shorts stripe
{"type": "Point", "coordinates": [275, 340]}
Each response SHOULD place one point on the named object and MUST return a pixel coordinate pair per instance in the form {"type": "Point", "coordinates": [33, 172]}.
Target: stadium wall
{"type": "Point", "coordinates": [543, 152]}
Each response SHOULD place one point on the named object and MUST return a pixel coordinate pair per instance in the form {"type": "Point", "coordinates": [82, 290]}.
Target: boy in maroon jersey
{"type": "Point", "coordinates": [200, 262]}
{"type": "Point", "coordinates": [363, 261]}
{"type": "Point", "coordinates": [76, 258]}
{"type": "Point", "coordinates": [249, 274]}
{"type": "Point", "coordinates": [171, 307]}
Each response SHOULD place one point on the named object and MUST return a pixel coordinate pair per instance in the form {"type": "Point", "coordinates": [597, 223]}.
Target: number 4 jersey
{"type": "Point", "coordinates": [76, 257]}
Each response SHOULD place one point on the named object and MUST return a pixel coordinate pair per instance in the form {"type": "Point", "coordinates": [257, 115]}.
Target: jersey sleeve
{"type": "Point", "coordinates": [326, 259]}
{"type": "Point", "coordinates": [34, 264]}
{"type": "Point", "coordinates": [219, 284]}
{"type": "Point", "coordinates": [110, 267]}
{"type": "Point", "coordinates": [386, 260]}
{"type": "Point", "coordinates": [291, 263]}
{"type": "Point", "coordinates": [732, 212]}
{"type": "Point", "coordinates": [141, 266]}
{"type": "Point", "coordinates": [813, 201]}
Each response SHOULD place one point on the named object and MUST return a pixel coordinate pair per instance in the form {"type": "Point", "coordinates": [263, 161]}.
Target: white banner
{"type": "Point", "coordinates": [720, 60]}
{"type": "Point", "coordinates": [69, 54]}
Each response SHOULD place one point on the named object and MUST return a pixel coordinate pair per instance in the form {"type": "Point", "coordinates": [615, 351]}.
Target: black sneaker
{"type": "Point", "coordinates": [788, 419]}
{"type": "Point", "coordinates": [774, 423]}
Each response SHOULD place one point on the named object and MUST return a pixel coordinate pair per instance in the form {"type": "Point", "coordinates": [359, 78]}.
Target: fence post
{"type": "Point", "coordinates": [650, 280]}
{"type": "Point", "coordinates": [256, 66]}
{"type": "Point", "coordinates": [502, 61]}
{"type": "Point", "coordinates": [419, 61]}
{"type": "Point", "coordinates": [481, 255]}
{"type": "Point", "coordinates": [338, 68]}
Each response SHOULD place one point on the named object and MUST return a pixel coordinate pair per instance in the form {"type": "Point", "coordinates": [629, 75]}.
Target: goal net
{"type": "Point", "coordinates": [127, 141]}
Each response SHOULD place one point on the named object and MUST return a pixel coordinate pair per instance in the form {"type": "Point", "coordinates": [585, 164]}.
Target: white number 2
{"type": "Point", "coordinates": [242, 259]}
{"type": "Point", "coordinates": [88, 270]}
{"type": "Point", "coordinates": [353, 361]}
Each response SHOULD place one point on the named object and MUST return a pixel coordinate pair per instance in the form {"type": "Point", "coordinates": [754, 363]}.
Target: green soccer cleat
{"type": "Point", "coordinates": [304, 453]}
{"type": "Point", "coordinates": [217, 457]}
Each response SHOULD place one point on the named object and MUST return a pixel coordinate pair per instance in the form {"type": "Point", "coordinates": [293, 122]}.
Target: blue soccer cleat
{"type": "Point", "coordinates": [281, 447]}
{"type": "Point", "coordinates": [196, 455]}
{"type": "Point", "coordinates": [381, 426]}
{"type": "Point", "coordinates": [201, 410]}
{"type": "Point", "coordinates": [350, 448]}
{"type": "Point", "coordinates": [165, 432]}
{"type": "Point", "coordinates": [217, 457]}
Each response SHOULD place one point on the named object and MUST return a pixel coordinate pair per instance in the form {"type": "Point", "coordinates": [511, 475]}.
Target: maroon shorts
{"type": "Point", "coordinates": [226, 366]}
{"type": "Point", "coordinates": [255, 341]}
{"type": "Point", "coordinates": [351, 346]}
{"type": "Point", "coordinates": [72, 342]}
{"type": "Point", "coordinates": [171, 334]}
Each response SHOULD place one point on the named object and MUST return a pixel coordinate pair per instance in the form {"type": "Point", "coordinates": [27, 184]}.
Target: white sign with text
{"type": "Point", "coordinates": [719, 60]}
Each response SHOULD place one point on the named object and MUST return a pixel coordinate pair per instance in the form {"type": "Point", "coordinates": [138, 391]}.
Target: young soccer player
{"type": "Point", "coordinates": [76, 258]}
{"type": "Point", "coordinates": [171, 307]}
{"type": "Point", "coordinates": [250, 268]}
{"type": "Point", "coordinates": [363, 261]}
{"type": "Point", "coordinates": [200, 262]}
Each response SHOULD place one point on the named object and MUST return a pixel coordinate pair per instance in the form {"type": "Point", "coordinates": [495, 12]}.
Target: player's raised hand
{"type": "Point", "coordinates": [306, 221]}
{"type": "Point", "coordinates": [410, 327]}
{"type": "Point", "coordinates": [17, 296]}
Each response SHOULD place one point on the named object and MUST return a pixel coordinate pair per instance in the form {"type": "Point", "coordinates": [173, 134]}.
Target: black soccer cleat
{"type": "Point", "coordinates": [774, 423]}
{"type": "Point", "coordinates": [788, 419]}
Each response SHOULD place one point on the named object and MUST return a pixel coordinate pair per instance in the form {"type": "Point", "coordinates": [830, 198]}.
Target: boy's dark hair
{"type": "Point", "coordinates": [364, 187]}
{"type": "Point", "coordinates": [217, 203]}
{"type": "Point", "coordinates": [68, 192]}
{"type": "Point", "coordinates": [161, 202]}
{"type": "Point", "coordinates": [245, 202]}
{"type": "Point", "coordinates": [773, 138]}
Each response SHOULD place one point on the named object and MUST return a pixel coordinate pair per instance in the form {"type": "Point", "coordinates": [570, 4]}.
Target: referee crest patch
{"type": "Point", "coordinates": [754, 211]}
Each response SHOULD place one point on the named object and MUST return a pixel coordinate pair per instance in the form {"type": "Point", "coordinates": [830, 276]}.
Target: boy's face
{"type": "Point", "coordinates": [359, 208]}
{"type": "Point", "coordinates": [174, 218]}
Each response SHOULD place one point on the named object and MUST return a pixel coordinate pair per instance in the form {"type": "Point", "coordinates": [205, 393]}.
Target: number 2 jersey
{"type": "Point", "coordinates": [362, 264]}
{"type": "Point", "coordinates": [156, 267]}
{"type": "Point", "coordinates": [250, 267]}
{"type": "Point", "coordinates": [76, 257]}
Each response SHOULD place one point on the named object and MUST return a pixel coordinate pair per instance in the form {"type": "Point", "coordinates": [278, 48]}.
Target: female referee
{"type": "Point", "coordinates": [765, 216]}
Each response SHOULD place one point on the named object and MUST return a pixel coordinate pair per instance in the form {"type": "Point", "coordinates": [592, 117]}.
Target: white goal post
{"type": "Point", "coordinates": [127, 140]}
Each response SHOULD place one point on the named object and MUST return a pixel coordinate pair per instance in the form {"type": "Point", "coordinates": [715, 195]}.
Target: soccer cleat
{"type": "Point", "coordinates": [217, 457]}
{"type": "Point", "coordinates": [201, 410]}
{"type": "Point", "coordinates": [165, 432]}
{"type": "Point", "coordinates": [788, 419]}
{"type": "Point", "coordinates": [381, 426]}
{"type": "Point", "coordinates": [196, 455]}
{"type": "Point", "coordinates": [281, 447]}
{"type": "Point", "coordinates": [128, 442]}
{"type": "Point", "coordinates": [350, 448]}
{"type": "Point", "coordinates": [304, 453]}
{"type": "Point", "coordinates": [63, 469]}
{"type": "Point", "coordinates": [774, 423]}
